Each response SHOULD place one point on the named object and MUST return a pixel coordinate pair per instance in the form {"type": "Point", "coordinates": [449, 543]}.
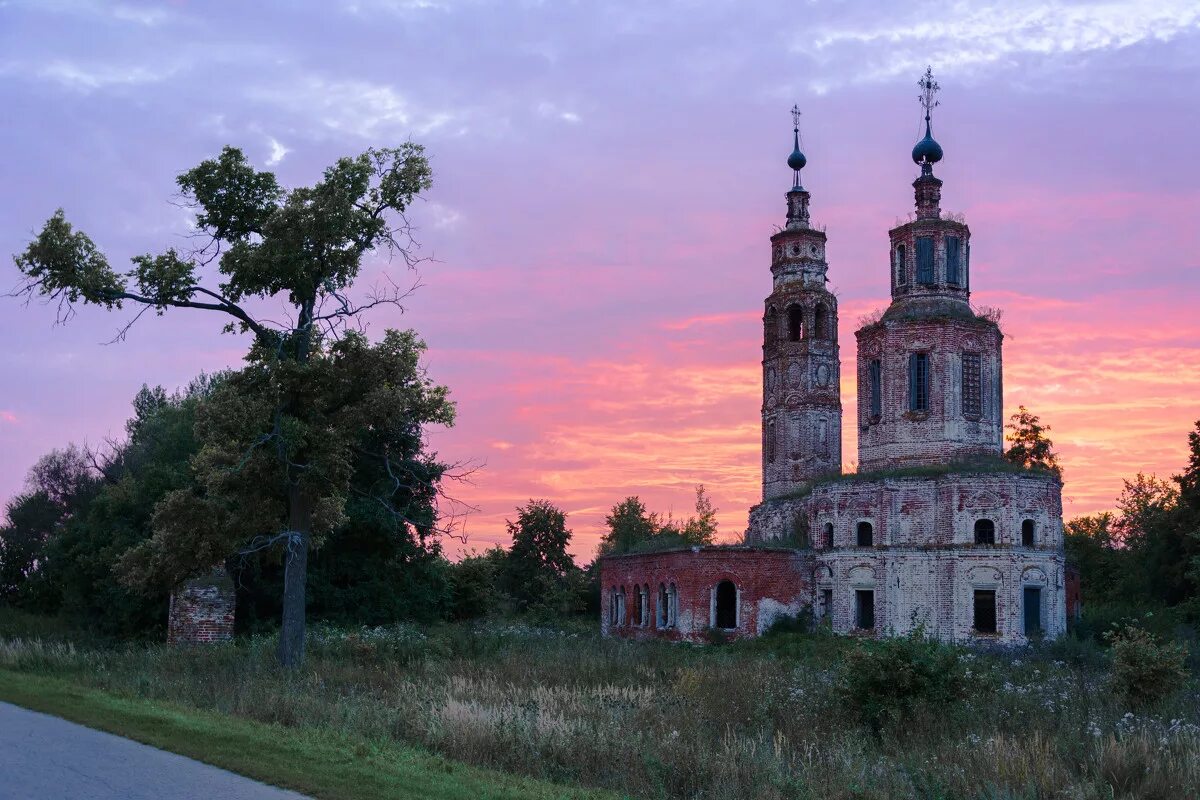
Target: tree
{"type": "Point", "coordinates": [31, 519]}
{"type": "Point", "coordinates": [538, 567]}
{"type": "Point", "coordinates": [629, 524]}
{"type": "Point", "coordinates": [304, 248]}
{"type": "Point", "coordinates": [1030, 446]}
{"type": "Point", "coordinates": [632, 528]}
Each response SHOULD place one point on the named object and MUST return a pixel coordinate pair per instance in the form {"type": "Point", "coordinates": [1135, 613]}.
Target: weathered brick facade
{"type": "Point", "coordinates": [935, 530]}
{"type": "Point", "coordinates": [674, 595]}
{"type": "Point", "coordinates": [202, 610]}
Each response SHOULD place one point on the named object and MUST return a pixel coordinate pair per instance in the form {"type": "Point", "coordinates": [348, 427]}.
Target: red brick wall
{"type": "Point", "coordinates": [202, 611]}
{"type": "Point", "coordinates": [769, 583]}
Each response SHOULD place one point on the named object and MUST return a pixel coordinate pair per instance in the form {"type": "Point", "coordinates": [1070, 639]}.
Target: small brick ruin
{"type": "Point", "coordinates": [202, 610]}
{"type": "Point", "coordinates": [935, 531]}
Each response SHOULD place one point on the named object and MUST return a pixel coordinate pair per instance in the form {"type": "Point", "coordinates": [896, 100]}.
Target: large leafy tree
{"type": "Point", "coordinates": [268, 465]}
{"type": "Point", "coordinates": [538, 569]}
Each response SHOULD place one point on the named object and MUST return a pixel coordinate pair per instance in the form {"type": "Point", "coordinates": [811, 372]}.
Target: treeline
{"type": "Point", "coordinates": [1145, 557]}
{"type": "Point", "coordinates": [75, 543]}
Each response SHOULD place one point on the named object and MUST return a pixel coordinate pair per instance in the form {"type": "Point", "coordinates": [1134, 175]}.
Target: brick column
{"type": "Point", "coordinates": [202, 610]}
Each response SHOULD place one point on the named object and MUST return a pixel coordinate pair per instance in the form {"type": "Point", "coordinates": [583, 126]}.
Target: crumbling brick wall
{"type": "Point", "coordinates": [770, 583]}
{"type": "Point", "coordinates": [202, 610]}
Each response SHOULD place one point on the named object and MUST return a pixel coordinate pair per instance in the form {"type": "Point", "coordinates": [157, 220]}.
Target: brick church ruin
{"type": "Point", "coordinates": [935, 529]}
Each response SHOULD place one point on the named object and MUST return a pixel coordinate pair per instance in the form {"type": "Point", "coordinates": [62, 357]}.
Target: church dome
{"type": "Point", "coordinates": [797, 160]}
{"type": "Point", "coordinates": [927, 151]}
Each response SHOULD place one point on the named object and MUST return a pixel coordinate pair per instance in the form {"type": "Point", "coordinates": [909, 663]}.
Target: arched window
{"type": "Point", "coordinates": [953, 260]}
{"type": "Point", "coordinates": [621, 618]}
{"type": "Point", "coordinates": [828, 537]}
{"type": "Point", "coordinates": [795, 317]}
{"type": "Point", "coordinates": [918, 382]}
{"type": "Point", "coordinates": [985, 531]}
{"type": "Point", "coordinates": [901, 272]}
{"type": "Point", "coordinates": [770, 442]}
{"type": "Point", "coordinates": [672, 606]}
{"type": "Point", "coordinates": [663, 601]}
{"type": "Point", "coordinates": [820, 322]}
{"type": "Point", "coordinates": [866, 535]}
{"type": "Point", "coordinates": [726, 605]}
{"type": "Point", "coordinates": [1027, 533]}
{"type": "Point", "coordinates": [875, 377]}
{"type": "Point", "coordinates": [639, 606]}
{"type": "Point", "coordinates": [612, 607]}
{"type": "Point", "coordinates": [771, 325]}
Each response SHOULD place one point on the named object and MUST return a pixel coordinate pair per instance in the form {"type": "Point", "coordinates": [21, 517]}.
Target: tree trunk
{"type": "Point", "coordinates": [295, 574]}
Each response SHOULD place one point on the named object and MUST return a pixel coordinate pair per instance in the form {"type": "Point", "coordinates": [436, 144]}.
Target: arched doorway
{"type": "Point", "coordinates": [726, 605]}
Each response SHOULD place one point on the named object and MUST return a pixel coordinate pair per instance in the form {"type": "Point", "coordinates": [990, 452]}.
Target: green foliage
{"type": "Point", "coordinates": [281, 439]}
{"type": "Point", "coordinates": [1146, 555]}
{"type": "Point", "coordinates": [1030, 445]}
{"type": "Point", "coordinates": [538, 573]}
{"type": "Point", "coordinates": [475, 582]}
{"type": "Point", "coordinates": [1146, 670]}
{"type": "Point", "coordinates": [884, 680]}
{"type": "Point", "coordinates": [632, 529]}
{"type": "Point", "coordinates": [359, 438]}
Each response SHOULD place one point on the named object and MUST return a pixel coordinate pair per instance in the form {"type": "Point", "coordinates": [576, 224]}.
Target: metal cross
{"type": "Point", "coordinates": [929, 87]}
{"type": "Point", "coordinates": [796, 117]}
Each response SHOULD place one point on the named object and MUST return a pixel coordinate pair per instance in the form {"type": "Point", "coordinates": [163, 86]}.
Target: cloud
{"type": "Point", "coordinates": [98, 76]}
{"type": "Point", "coordinates": [965, 37]}
{"type": "Point", "coordinates": [278, 151]}
{"type": "Point", "coordinates": [358, 108]}
{"type": "Point", "coordinates": [8, 417]}
{"type": "Point", "coordinates": [551, 111]}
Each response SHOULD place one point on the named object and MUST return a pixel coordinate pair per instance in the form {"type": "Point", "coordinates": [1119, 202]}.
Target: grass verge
{"type": "Point", "coordinates": [316, 763]}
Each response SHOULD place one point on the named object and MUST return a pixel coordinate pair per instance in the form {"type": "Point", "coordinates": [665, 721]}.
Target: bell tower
{"type": "Point", "coordinates": [929, 371]}
{"type": "Point", "coordinates": [801, 408]}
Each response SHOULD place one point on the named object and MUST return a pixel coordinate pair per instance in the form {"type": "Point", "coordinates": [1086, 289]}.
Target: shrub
{"type": "Point", "coordinates": [1146, 670]}
{"type": "Point", "coordinates": [883, 681]}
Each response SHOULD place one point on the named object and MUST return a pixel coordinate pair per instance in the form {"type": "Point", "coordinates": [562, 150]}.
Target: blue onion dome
{"type": "Point", "coordinates": [927, 151]}
{"type": "Point", "coordinates": [797, 160]}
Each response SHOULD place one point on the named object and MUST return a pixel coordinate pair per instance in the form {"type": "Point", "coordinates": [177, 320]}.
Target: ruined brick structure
{"type": "Point", "coordinates": [202, 610]}
{"type": "Point", "coordinates": [935, 529]}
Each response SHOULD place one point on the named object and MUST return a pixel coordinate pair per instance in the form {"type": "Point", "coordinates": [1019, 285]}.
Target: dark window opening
{"type": "Point", "coordinates": [612, 606]}
{"type": "Point", "coordinates": [864, 609]}
{"type": "Point", "coordinates": [820, 323]}
{"type": "Point", "coordinates": [901, 271]}
{"type": "Point", "coordinates": [1033, 610]}
{"type": "Point", "coordinates": [726, 605]}
{"type": "Point", "coordinates": [876, 382]}
{"type": "Point", "coordinates": [827, 604]}
{"type": "Point", "coordinates": [985, 610]}
{"type": "Point", "coordinates": [639, 607]}
{"type": "Point", "coordinates": [972, 385]}
{"type": "Point", "coordinates": [771, 442]}
{"type": "Point", "coordinates": [953, 251]}
{"type": "Point", "coordinates": [918, 382]}
{"type": "Point", "coordinates": [866, 535]}
{"type": "Point", "coordinates": [925, 259]}
{"type": "Point", "coordinates": [771, 325]}
{"type": "Point", "coordinates": [828, 535]}
{"type": "Point", "coordinates": [1027, 533]}
{"type": "Point", "coordinates": [795, 315]}
{"type": "Point", "coordinates": [985, 531]}
{"type": "Point", "coordinates": [663, 606]}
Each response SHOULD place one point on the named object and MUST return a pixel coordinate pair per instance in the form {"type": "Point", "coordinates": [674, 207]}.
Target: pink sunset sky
{"type": "Point", "coordinates": [607, 176]}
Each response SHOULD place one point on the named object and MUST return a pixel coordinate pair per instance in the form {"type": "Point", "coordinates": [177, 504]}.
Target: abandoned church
{"type": "Point", "coordinates": [935, 529]}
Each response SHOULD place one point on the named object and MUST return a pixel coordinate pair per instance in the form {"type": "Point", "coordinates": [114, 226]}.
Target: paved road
{"type": "Point", "coordinates": [46, 758]}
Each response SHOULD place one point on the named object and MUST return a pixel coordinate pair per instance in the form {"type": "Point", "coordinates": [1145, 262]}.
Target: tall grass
{"type": "Point", "coordinates": [761, 719]}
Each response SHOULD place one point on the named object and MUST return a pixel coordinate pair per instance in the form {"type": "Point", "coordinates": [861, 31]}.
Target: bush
{"type": "Point", "coordinates": [883, 681]}
{"type": "Point", "coordinates": [1146, 670]}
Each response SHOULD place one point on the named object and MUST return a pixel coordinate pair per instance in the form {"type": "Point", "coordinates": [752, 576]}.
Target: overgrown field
{"type": "Point", "coordinates": [767, 719]}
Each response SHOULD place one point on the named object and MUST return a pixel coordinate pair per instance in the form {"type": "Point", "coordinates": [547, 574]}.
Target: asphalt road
{"type": "Point", "coordinates": [46, 758]}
